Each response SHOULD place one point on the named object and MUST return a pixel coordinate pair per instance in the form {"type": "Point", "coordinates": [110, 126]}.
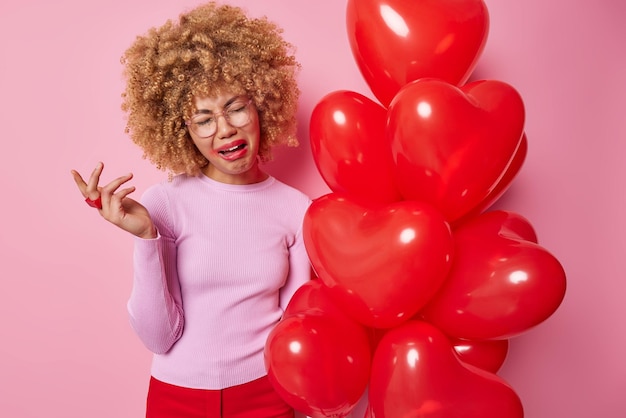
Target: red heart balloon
{"type": "Point", "coordinates": [500, 284]}
{"type": "Point", "coordinates": [416, 373]}
{"type": "Point", "coordinates": [395, 42]}
{"type": "Point", "coordinates": [452, 145]}
{"type": "Point", "coordinates": [379, 264]}
{"type": "Point", "coordinates": [503, 184]}
{"type": "Point", "coordinates": [508, 224]}
{"type": "Point", "coordinates": [319, 363]}
{"type": "Point", "coordinates": [488, 355]}
{"type": "Point", "coordinates": [312, 297]}
{"type": "Point", "coordinates": [347, 133]}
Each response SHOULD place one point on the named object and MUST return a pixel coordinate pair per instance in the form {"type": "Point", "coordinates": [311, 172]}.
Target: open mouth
{"type": "Point", "coordinates": [233, 149]}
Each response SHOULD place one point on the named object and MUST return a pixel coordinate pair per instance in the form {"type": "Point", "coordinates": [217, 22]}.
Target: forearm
{"type": "Point", "coordinates": [154, 307]}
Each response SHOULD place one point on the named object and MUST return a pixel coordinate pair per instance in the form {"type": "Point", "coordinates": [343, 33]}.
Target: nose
{"type": "Point", "coordinates": [224, 128]}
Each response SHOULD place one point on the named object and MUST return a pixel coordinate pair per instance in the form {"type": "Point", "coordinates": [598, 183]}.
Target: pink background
{"type": "Point", "coordinates": [67, 349]}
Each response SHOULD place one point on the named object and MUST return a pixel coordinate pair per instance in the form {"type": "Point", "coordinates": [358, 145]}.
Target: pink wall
{"type": "Point", "coordinates": [67, 350]}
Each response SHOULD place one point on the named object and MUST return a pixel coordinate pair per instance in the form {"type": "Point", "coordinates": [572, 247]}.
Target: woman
{"type": "Point", "coordinates": [218, 247]}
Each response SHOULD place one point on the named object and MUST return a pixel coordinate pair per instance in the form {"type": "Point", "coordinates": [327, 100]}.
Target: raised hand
{"type": "Point", "coordinates": [114, 204]}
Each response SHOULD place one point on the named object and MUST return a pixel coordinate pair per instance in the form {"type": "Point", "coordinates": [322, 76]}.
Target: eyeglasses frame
{"type": "Point", "coordinates": [224, 114]}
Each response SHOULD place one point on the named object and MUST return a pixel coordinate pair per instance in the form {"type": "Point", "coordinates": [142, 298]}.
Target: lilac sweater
{"type": "Point", "coordinates": [210, 288]}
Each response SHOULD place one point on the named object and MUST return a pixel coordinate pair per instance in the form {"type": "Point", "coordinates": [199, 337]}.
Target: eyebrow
{"type": "Point", "coordinates": [210, 112]}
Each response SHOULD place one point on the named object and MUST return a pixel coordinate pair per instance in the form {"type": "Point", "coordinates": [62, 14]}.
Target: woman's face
{"type": "Point", "coordinates": [232, 145]}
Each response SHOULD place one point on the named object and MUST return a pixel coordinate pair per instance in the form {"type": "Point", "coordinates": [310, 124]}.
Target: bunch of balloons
{"type": "Point", "coordinates": [418, 287]}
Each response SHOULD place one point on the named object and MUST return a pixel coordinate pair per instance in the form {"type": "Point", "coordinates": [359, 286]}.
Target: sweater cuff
{"type": "Point", "coordinates": [147, 248]}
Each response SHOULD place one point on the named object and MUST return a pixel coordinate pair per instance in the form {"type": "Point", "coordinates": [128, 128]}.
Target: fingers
{"type": "Point", "coordinates": [112, 187]}
{"type": "Point", "coordinates": [110, 191]}
{"type": "Point", "coordinates": [92, 186]}
{"type": "Point", "coordinates": [82, 186]}
{"type": "Point", "coordinates": [89, 190]}
{"type": "Point", "coordinates": [119, 199]}
{"type": "Point", "coordinates": [125, 192]}
{"type": "Point", "coordinates": [103, 195]}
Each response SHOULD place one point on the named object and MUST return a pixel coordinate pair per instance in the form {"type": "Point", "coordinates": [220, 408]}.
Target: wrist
{"type": "Point", "coordinates": [150, 233]}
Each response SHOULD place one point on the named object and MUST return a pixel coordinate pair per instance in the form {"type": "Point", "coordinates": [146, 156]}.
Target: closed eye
{"type": "Point", "coordinates": [236, 108]}
{"type": "Point", "coordinates": [203, 122]}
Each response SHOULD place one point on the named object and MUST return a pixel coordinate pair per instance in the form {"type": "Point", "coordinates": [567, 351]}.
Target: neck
{"type": "Point", "coordinates": [251, 176]}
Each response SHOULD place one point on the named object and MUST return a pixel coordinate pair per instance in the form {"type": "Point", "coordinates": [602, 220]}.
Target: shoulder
{"type": "Point", "coordinates": [290, 194]}
{"type": "Point", "coordinates": [164, 190]}
{"type": "Point", "coordinates": [172, 184]}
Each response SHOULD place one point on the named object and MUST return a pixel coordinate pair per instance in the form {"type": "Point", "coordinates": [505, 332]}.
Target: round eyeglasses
{"type": "Point", "coordinates": [237, 114]}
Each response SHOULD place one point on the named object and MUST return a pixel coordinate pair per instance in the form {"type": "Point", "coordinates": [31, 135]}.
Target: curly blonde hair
{"type": "Point", "coordinates": [211, 49]}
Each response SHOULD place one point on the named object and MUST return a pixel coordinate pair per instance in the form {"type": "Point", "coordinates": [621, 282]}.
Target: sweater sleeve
{"type": "Point", "coordinates": [299, 270]}
{"type": "Point", "coordinates": [155, 304]}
